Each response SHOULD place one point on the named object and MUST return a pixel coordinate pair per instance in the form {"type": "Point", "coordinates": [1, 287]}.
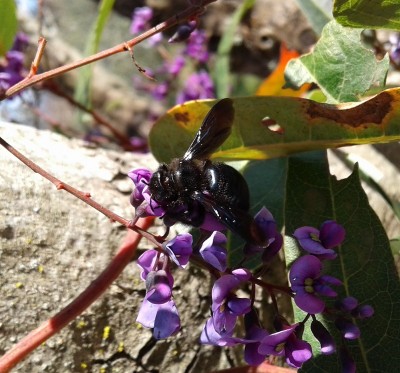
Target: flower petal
{"type": "Point", "coordinates": [167, 321]}
{"type": "Point", "coordinates": [331, 234]}
{"type": "Point", "coordinates": [309, 303]}
{"type": "Point", "coordinates": [307, 266]}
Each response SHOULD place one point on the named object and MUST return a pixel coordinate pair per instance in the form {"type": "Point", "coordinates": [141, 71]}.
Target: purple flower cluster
{"type": "Point", "coordinates": [141, 18]}
{"type": "Point", "coordinates": [309, 287]}
{"type": "Point", "coordinates": [158, 310]}
{"type": "Point", "coordinates": [12, 67]}
{"type": "Point", "coordinates": [189, 62]}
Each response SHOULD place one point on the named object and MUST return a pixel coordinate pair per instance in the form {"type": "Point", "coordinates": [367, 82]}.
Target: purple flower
{"type": "Point", "coordinates": [160, 91]}
{"type": "Point", "coordinates": [364, 312]}
{"type": "Point", "coordinates": [254, 335]}
{"type": "Point", "coordinates": [179, 249]}
{"type": "Point", "coordinates": [164, 318]}
{"type": "Point", "coordinates": [175, 67]}
{"type": "Point", "coordinates": [320, 242]}
{"type": "Point", "coordinates": [12, 70]}
{"type": "Point", "coordinates": [197, 46]}
{"type": "Point", "coordinates": [226, 306]}
{"type": "Point", "coordinates": [308, 284]}
{"type": "Point", "coordinates": [350, 306]}
{"type": "Point", "coordinates": [213, 250]}
{"type": "Point", "coordinates": [21, 41]}
{"type": "Point", "coordinates": [159, 286]}
{"type": "Point", "coordinates": [297, 351]}
{"type": "Point", "coordinates": [150, 207]}
{"type": "Point", "coordinates": [274, 344]}
{"type": "Point", "coordinates": [285, 343]}
{"type": "Point", "coordinates": [147, 262]}
{"type": "Point", "coordinates": [198, 86]}
{"type": "Point", "coordinates": [141, 197]}
{"type": "Point", "coordinates": [152, 260]}
{"type": "Point", "coordinates": [139, 144]}
{"type": "Point", "coordinates": [272, 238]}
{"type": "Point", "coordinates": [141, 178]}
{"type": "Point", "coordinates": [347, 304]}
{"type": "Point", "coordinates": [394, 52]}
{"type": "Point", "coordinates": [347, 328]}
{"type": "Point", "coordinates": [324, 337]}
{"type": "Point", "coordinates": [140, 19]}
{"type": "Point", "coordinates": [167, 321]}
{"type": "Point", "coordinates": [183, 32]}
{"type": "Point", "coordinates": [209, 336]}
{"type": "Point", "coordinates": [158, 310]}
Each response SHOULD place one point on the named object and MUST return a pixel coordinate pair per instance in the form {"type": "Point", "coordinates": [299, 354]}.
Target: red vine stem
{"type": "Point", "coordinates": [30, 80]}
{"type": "Point", "coordinates": [50, 327]}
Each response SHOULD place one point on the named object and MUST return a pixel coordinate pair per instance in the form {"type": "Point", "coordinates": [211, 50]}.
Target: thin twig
{"type": "Point", "coordinates": [140, 68]}
{"type": "Point", "coordinates": [36, 61]}
{"type": "Point", "coordinates": [83, 196]}
{"type": "Point", "coordinates": [180, 17]}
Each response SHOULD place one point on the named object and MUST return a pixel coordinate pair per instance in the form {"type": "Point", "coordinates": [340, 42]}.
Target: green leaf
{"type": "Point", "coordinates": [317, 12]}
{"type": "Point", "coordinates": [340, 64]}
{"type": "Point", "coordinates": [374, 14]}
{"type": "Point", "coordinates": [82, 90]}
{"type": "Point", "coordinates": [221, 73]}
{"type": "Point", "coordinates": [365, 263]}
{"type": "Point", "coordinates": [8, 25]}
{"type": "Point", "coordinates": [268, 127]}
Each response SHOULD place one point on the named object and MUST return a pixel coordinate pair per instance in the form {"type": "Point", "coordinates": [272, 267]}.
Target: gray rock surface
{"type": "Point", "coordinates": [52, 246]}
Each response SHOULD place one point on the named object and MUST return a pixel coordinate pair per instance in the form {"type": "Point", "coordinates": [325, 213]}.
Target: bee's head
{"type": "Point", "coordinates": [161, 185]}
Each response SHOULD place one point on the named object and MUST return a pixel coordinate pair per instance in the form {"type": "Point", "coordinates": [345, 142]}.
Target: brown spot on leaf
{"type": "Point", "coordinates": [372, 111]}
{"type": "Point", "coordinates": [182, 117]}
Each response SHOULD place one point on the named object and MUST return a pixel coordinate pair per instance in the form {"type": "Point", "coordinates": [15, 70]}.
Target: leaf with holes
{"type": "Point", "coordinates": [270, 127]}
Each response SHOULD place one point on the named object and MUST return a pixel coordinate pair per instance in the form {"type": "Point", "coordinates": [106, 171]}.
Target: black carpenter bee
{"type": "Point", "coordinates": [191, 186]}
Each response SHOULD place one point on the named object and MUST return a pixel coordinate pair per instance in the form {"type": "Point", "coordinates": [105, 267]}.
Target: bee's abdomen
{"type": "Point", "coordinates": [227, 185]}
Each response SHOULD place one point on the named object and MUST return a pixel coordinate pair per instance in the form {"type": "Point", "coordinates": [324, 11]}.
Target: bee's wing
{"type": "Point", "coordinates": [214, 130]}
{"type": "Point", "coordinates": [238, 221]}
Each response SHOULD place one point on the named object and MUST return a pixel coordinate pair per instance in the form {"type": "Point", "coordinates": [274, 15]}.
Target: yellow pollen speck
{"type": "Point", "coordinates": [81, 324]}
{"type": "Point", "coordinates": [139, 326]}
{"type": "Point", "coordinates": [19, 285]}
{"type": "Point", "coordinates": [280, 347]}
{"type": "Point", "coordinates": [102, 370]}
{"type": "Point", "coordinates": [40, 268]}
{"type": "Point", "coordinates": [106, 332]}
{"type": "Point", "coordinates": [315, 237]}
{"type": "Point", "coordinates": [121, 347]}
{"type": "Point", "coordinates": [309, 289]}
{"type": "Point", "coordinates": [174, 353]}
{"type": "Point", "coordinates": [308, 281]}
{"type": "Point", "coordinates": [84, 365]}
